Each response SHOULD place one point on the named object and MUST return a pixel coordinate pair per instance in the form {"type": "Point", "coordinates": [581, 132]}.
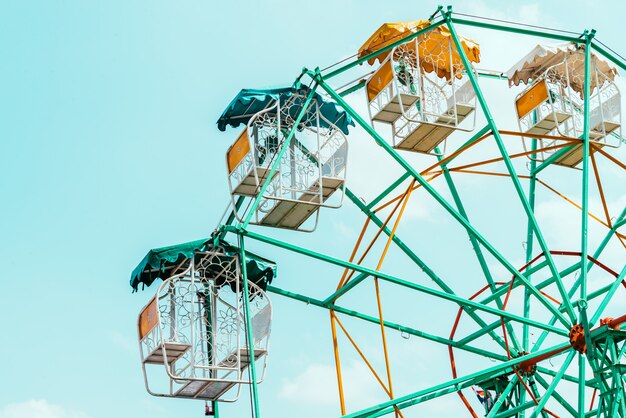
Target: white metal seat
{"type": "Point", "coordinates": [386, 102]}
{"type": "Point", "coordinates": [601, 130]}
{"type": "Point", "coordinates": [575, 155]}
{"type": "Point", "coordinates": [205, 390]}
{"type": "Point", "coordinates": [539, 109]}
{"type": "Point", "coordinates": [548, 123]}
{"type": "Point", "coordinates": [392, 110]}
{"type": "Point", "coordinates": [172, 351]}
{"type": "Point", "coordinates": [215, 389]}
{"type": "Point", "coordinates": [244, 357]}
{"type": "Point", "coordinates": [425, 137]}
{"type": "Point", "coordinates": [604, 119]}
{"type": "Point", "coordinates": [250, 184]}
{"type": "Point", "coordinates": [293, 213]}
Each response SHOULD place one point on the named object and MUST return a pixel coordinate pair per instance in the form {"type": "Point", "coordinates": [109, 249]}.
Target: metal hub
{"type": "Point", "coordinates": [577, 338]}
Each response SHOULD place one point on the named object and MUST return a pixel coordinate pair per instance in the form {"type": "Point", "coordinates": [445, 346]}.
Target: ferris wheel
{"type": "Point", "coordinates": [527, 330]}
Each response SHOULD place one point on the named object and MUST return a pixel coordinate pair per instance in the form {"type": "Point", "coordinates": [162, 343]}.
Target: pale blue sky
{"type": "Point", "coordinates": [108, 147]}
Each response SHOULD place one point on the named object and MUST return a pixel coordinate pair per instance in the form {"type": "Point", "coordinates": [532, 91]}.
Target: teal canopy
{"type": "Point", "coordinates": [159, 263]}
{"type": "Point", "coordinates": [250, 102]}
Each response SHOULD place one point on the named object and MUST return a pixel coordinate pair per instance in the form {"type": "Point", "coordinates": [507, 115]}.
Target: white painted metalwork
{"type": "Point", "coordinates": [422, 107]}
{"type": "Point", "coordinates": [561, 68]}
{"type": "Point", "coordinates": [192, 333]}
{"type": "Point", "coordinates": [310, 172]}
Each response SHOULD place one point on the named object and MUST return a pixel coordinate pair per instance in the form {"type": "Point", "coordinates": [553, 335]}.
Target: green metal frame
{"type": "Point", "coordinates": [603, 352]}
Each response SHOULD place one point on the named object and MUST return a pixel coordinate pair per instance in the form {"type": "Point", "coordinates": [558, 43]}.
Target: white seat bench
{"type": "Point", "coordinates": [293, 213]}
{"type": "Point", "coordinates": [172, 350]}
{"type": "Point", "coordinates": [425, 137]}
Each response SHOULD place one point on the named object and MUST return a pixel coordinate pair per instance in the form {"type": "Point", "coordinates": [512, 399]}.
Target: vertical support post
{"type": "Point", "coordinates": [584, 250]}
{"type": "Point", "coordinates": [581, 386]}
{"type": "Point", "coordinates": [530, 239]}
{"type": "Point", "coordinates": [208, 313]}
{"type": "Point", "coordinates": [249, 338]}
{"type": "Point", "coordinates": [192, 325]}
{"type": "Point", "coordinates": [585, 173]}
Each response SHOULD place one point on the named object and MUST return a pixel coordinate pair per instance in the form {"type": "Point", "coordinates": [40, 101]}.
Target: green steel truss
{"type": "Point", "coordinates": [517, 394]}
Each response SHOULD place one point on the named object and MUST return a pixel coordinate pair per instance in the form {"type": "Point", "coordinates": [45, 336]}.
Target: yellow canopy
{"type": "Point", "coordinates": [434, 46]}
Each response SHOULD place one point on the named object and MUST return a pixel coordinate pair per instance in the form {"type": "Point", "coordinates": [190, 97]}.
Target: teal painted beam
{"type": "Point", "coordinates": [550, 372]}
{"type": "Point", "coordinates": [389, 47]}
{"type": "Point", "coordinates": [581, 385]}
{"type": "Point", "coordinates": [388, 324]}
{"type": "Point", "coordinates": [516, 410]}
{"type": "Point", "coordinates": [416, 259]}
{"type": "Point", "coordinates": [584, 239]}
{"type": "Point", "coordinates": [497, 323]}
{"type": "Point", "coordinates": [454, 384]}
{"type": "Point", "coordinates": [440, 199]}
{"type": "Point", "coordinates": [392, 279]}
{"type": "Point", "coordinates": [345, 288]}
{"type": "Point", "coordinates": [503, 396]}
{"type": "Point", "coordinates": [249, 338]}
{"type": "Point", "coordinates": [352, 89]}
{"type": "Point", "coordinates": [388, 190]}
{"type": "Point", "coordinates": [609, 55]}
{"type": "Point", "coordinates": [511, 170]}
{"type": "Point", "coordinates": [548, 393]}
{"type": "Point", "coordinates": [284, 147]}
{"type": "Point", "coordinates": [551, 159]}
{"type": "Point", "coordinates": [420, 399]}
{"type": "Point", "coordinates": [406, 174]}
{"type": "Point", "coordinates": [513, 29]}
{"type": "Point", "coordinates": [607, 298]}
{"type": "Point", "coordinates": [477, 250]}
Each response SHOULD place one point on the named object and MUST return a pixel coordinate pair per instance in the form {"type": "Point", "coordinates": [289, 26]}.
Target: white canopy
{"type": "Point", "coordinates": [543, 57]}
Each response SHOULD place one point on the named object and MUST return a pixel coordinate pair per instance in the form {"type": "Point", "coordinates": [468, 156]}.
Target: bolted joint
{"type": "Point", "coordinates": [577, 338]}
{"type": "Point", "coordinates": [446, 14]}
{"type": "Point", "coordinates": [609, 322]}
{"type": "Point", "coordinates": [526, 368]}
{"type": "Point", "coordinates": [316, 75]}
{"type": "Point", "coordinates": [439, 10]}
{"type": "Point", "coordinates": [591, 34]}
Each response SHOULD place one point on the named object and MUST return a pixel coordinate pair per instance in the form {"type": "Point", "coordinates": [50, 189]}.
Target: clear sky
{"type": "Point", "coordinates": [108, 147]}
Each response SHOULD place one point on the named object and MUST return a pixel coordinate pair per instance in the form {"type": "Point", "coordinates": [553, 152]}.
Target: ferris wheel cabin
{"type": "Point", "coordinates": [553, 102]}
{"type": "Point", "coordinates": [192, 333]}
{"type": "Point", "coordinates": [421, 89]}
{"type": "Point", "coordinates": [308, 174]}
